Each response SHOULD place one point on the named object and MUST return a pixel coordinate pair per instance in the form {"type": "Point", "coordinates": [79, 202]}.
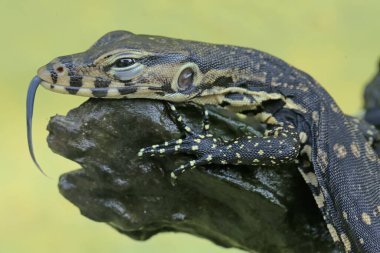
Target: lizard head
{"type": "Point", "coordinates": [123, 64]}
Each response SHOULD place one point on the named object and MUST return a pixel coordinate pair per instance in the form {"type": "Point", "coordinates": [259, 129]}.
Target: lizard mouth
{"type": "Point", "coordinates": [88, 86]}
{"type": "Point", "coordinates": [101, 92]}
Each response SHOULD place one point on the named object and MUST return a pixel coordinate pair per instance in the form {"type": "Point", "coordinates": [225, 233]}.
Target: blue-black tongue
{"type": "Point", "coordinates": [29, 116]}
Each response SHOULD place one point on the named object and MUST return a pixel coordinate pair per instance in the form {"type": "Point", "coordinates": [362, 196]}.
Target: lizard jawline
{"type": "Point", "coordinates": [106, 92]}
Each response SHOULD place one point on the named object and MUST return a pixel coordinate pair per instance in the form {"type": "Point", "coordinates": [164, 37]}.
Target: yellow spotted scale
{"type": "Point", "coordinates": [305, 126]}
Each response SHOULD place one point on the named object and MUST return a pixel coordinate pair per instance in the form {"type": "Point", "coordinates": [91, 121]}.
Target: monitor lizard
{"type": "Point", "coordinates": [305, 125]}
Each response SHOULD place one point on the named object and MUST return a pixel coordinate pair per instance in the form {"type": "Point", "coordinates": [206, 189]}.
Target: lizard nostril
{"type": "Point", "coordinates": [60, 69]}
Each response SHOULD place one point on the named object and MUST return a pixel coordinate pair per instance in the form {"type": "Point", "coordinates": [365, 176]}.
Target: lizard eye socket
{"type": "Point", "coordinates": [125, 68]}
{"type": "Point", "coordinates": [186, 78]}
{"type": "Point", "coordinates": [124, 62]}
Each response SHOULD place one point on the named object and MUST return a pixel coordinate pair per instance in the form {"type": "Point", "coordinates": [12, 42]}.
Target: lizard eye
{"type": "Point", "coordinates": [124, 62]}
{"type": "Point", "coordinates": [125, 68]}
{"type": "Point", "coordinates": [186, 78]}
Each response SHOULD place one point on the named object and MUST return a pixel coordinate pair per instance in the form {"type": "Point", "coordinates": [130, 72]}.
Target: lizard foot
{"type": "Point", "coordinates": [277, 147]}
{"type": "Point", "coordinates": [193, 143]}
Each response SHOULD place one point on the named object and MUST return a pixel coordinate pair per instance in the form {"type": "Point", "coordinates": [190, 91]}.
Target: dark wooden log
{"type": "Point", "coordinates": [252, 208]}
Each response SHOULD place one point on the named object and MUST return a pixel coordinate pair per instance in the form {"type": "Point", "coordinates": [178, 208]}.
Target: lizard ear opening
{"type": "Point", "coordinates": [187, 77]}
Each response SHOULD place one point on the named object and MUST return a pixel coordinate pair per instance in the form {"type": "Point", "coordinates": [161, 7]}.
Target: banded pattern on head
{"type": "Point", "coordinates": [124, 65]}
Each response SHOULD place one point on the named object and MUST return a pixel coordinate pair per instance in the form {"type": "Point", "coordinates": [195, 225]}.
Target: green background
{"type": "Point", "coordinates": [337, 42]}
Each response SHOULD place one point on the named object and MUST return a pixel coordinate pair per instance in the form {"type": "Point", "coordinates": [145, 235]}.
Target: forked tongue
{"type": "Point", "coordinates": [29, 116]}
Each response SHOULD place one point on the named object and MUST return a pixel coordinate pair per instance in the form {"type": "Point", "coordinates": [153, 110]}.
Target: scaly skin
{"type": "Point", "coordinates": [305, 124]}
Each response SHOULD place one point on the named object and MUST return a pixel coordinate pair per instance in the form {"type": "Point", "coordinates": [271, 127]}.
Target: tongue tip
{"type": "Point", "coordinates": [34, 84]}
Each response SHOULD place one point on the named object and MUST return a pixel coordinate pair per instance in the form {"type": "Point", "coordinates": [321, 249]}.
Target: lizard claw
{"type": "Point", "coordinates": [170, 147]}
{"type": "Point", "coordinates": [193, 143]}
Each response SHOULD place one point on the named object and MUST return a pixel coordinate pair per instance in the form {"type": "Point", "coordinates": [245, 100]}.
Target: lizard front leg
{"type": "Point", "coordinates": [279, 146]}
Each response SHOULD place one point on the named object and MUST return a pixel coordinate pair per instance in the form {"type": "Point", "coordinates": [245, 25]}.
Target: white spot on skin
{"type": "Point", "coordinates": [179, 141]}
{"type": "Point", "coordinates": [361, 241]}
{"type": "Point", "coordinates": [213, 146]}
{"type": "Point", "coordinates": [371, 155]}
{"type": "Point", "coordinates": [313, 179]}
{"type": "Point", "coordinates": [346, 242]}
{"type": "Point", "coordinates": [172, 175]}
{"type": "Point", "coordinates": [306, 150]}
{"type": "Point", "coordinates": [369, 132]}
{"type": "Point", "coordinates": [162, 151]}
{"type": "Point", "coordinates": [187, 129]}
{"type": "Point", "coordinates": [303, 137]}
{"type": "Point", "coordinates": [315, 116]}
{"type": "Point", "coordinates": [223, 162]}
{"type": "Point", "coordinates": [176, 147]}
{"type": "Point", "coordinates": [195, 147]}
{"type": "Point", "coordinates": [192, 163]}
{"type": "Point", "coordinates": [366, 218]}
{"type": "Point", "coordinates": [238, 155]}
{"type": "Point", "coordinates": [166, 143]}
{"type": "Point", "coordinates": [140, 152]}
{"type": "Point", "coordinates": [320, 199]}
{"type": "Point", "coordinates": [333, 233]}
{"type": "Point", "coordinates": [207, 127]}
{"type": "Point", "coordinates": [334, 108]}
{"type": "Point", "coordinates": [179, 119]}
{"type": "Point", "coordinates": [345, 216]}
{"type": "Point", "coordinates": [310, 178]}
{"type": "Point", "coordinates": [355, 149]}
{"type": "Point", "coordinates": [155, 146]}
{"type": "Point", "coordinates": [261, 152]}
{"type": "Point", "coordinates": [322, 155]}
{"type": "Point", "coordinates": [209, 158]}
{"type": "Point", "coordinates": [197, 140]}
{"type": "Point", "coordinates": [340, 150]}
{"type": "Point", "coordinates": [256, 160]}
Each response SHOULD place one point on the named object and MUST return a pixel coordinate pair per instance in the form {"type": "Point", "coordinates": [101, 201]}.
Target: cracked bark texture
{"type": "Point", "coordinates": [251, 208]}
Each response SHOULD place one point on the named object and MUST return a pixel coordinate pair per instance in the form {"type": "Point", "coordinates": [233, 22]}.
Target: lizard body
{"type": "Point", "coordinates": [305, 125]}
